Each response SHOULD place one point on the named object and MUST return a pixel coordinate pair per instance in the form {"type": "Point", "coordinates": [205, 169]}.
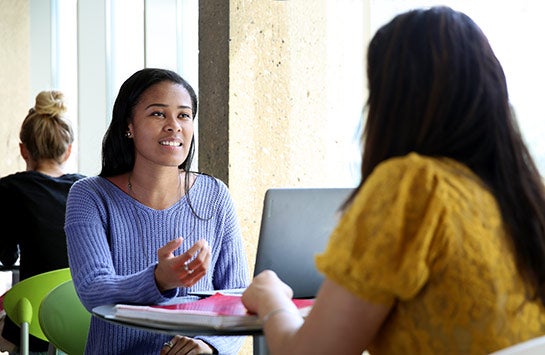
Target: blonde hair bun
{"type": "Point", "coordinates": [50, 103]}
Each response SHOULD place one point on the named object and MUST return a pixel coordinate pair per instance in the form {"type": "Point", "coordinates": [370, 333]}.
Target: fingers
{"type": "Point", "coordinates": [184, 270]}
{"type": "Point", "coordinates": [266, 287]}
{"type": "Point", "coordinates": [200, 248]}
{"type": "Point", "coordinates": [185, 345]}
{"type": "Point", "coordinates": [167, 347]}
{"type": "Point", "coordinates": [196, 257]}
{"type": "Point", "coordinates": [195, 263]}
{"type": "Point", "coordinates": [202, 259]}
{"type": "Point", "coordinates": [168, 249]}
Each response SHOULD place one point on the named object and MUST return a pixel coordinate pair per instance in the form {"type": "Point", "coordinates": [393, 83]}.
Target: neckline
{"type": "Point", "coordinates": [119, 191]}
{"type": "Point", "coordinates": [134, 195]}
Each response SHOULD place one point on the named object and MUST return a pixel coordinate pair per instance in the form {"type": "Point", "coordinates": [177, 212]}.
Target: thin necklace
{"type": "Point", "coordinates": [131, 191]}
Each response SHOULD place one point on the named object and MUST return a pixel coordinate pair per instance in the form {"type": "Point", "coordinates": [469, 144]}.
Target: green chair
{"type": "Point", "coordinates": [23, 300]}
{"type": "Point", "coordinates": [64, 320]}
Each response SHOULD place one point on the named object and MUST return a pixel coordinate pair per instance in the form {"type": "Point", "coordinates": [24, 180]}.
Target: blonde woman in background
{"type": "Point", "coordinates": [37, 196]}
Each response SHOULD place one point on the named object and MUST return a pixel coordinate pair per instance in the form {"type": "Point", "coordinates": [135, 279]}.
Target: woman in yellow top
{"type": "Point", "coordinates": [441, 248]}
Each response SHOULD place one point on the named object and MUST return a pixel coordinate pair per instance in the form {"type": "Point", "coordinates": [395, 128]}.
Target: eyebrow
{"type": "Point", "coordinates": [163, 105]}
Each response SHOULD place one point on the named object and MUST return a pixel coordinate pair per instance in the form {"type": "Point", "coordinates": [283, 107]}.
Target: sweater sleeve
{"type": "Point", "coordinates": [401, 192]}
{"type": "Point", "coordinates": [90, 257]}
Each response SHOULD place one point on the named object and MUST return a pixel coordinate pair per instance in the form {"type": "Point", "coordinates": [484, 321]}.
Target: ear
{"type": "Point", "coordinates": [130, 128]}
{"type": "Point", "coordinates": [67, 153]}
{"type": "Point", "coordinates": [24, 151]}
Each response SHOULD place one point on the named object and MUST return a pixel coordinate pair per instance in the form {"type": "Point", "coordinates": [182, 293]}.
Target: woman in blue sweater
{"type": "Point", "coordinates": [148, 229]}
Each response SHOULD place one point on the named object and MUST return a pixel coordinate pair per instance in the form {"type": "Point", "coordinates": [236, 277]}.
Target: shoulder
{"type": "Point", "coordinates": [414, 170]}
{"type": "Point", "coordinates": [414, 183]}
{"type": "Point", "coordinates": [72, 177]}
{"type": "Point", "coordinates": [27, 181]}
{"type": "Point", "coordinates": [92, 187]}
{"type": "Point", "coordinates": [90, 182]}
{"type": "Point", "coordinates": [208, 180]}
{"type": "Point", "coordinates": [210, 184]}
{"type": "Point", "coordinates": [210, 192]}
{"type": "Point", "coordinates": [91, 195]}
{"type": "Point", "coordinates": [17, 177]}
{"type": "Point", "coordinates": [33, 178]}
{"type": "Point", "coordinates": [12, 185]}
{"type": "Point", "coordinates": [413, 163]}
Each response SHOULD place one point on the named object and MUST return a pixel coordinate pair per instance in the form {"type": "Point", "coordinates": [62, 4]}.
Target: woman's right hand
{"type": "Point", "coordinates": [183, 270]}
{"type": "Point", "coordinates": [266, 292]}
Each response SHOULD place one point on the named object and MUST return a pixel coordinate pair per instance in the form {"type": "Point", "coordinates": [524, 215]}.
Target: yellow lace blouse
{"type": "Point", "coordinates": [426, 236]}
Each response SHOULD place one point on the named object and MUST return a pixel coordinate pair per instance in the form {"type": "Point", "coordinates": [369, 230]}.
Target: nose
{"type": "Point", "coordinates": [172, 125]}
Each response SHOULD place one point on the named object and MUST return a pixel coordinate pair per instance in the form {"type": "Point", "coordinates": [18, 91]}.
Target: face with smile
{"type": "Point", "coordinates": [162, 125]}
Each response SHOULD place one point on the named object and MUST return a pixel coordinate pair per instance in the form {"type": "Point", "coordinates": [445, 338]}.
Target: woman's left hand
{"type": "Point", "coordinates": [183, 270]}
{"type": "Point", "coordinates": [186, 346]}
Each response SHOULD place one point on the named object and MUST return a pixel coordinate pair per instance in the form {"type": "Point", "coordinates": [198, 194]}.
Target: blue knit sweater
{"type": "Point", "coordinates": [112, 248]}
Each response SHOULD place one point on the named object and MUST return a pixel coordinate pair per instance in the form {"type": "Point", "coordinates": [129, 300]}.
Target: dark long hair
{"type": "Point", "coordinates": [118, 153]}
{"type": "Point", "coordinates": [436, 88]}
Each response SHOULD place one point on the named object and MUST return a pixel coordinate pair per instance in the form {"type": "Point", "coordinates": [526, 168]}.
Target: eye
{"type": "Point", "coordinates": [158, 114]}
{"type": "Point", "coordinates": [185, 116]}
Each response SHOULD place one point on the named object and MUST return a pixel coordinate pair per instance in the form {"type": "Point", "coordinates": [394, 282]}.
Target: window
{"type": "Point", "coordinates": [94, 45]}
{"type": "Point", "coordinates": [117, 37]}
{"type": "Point", "coordinates": [514, 29]}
